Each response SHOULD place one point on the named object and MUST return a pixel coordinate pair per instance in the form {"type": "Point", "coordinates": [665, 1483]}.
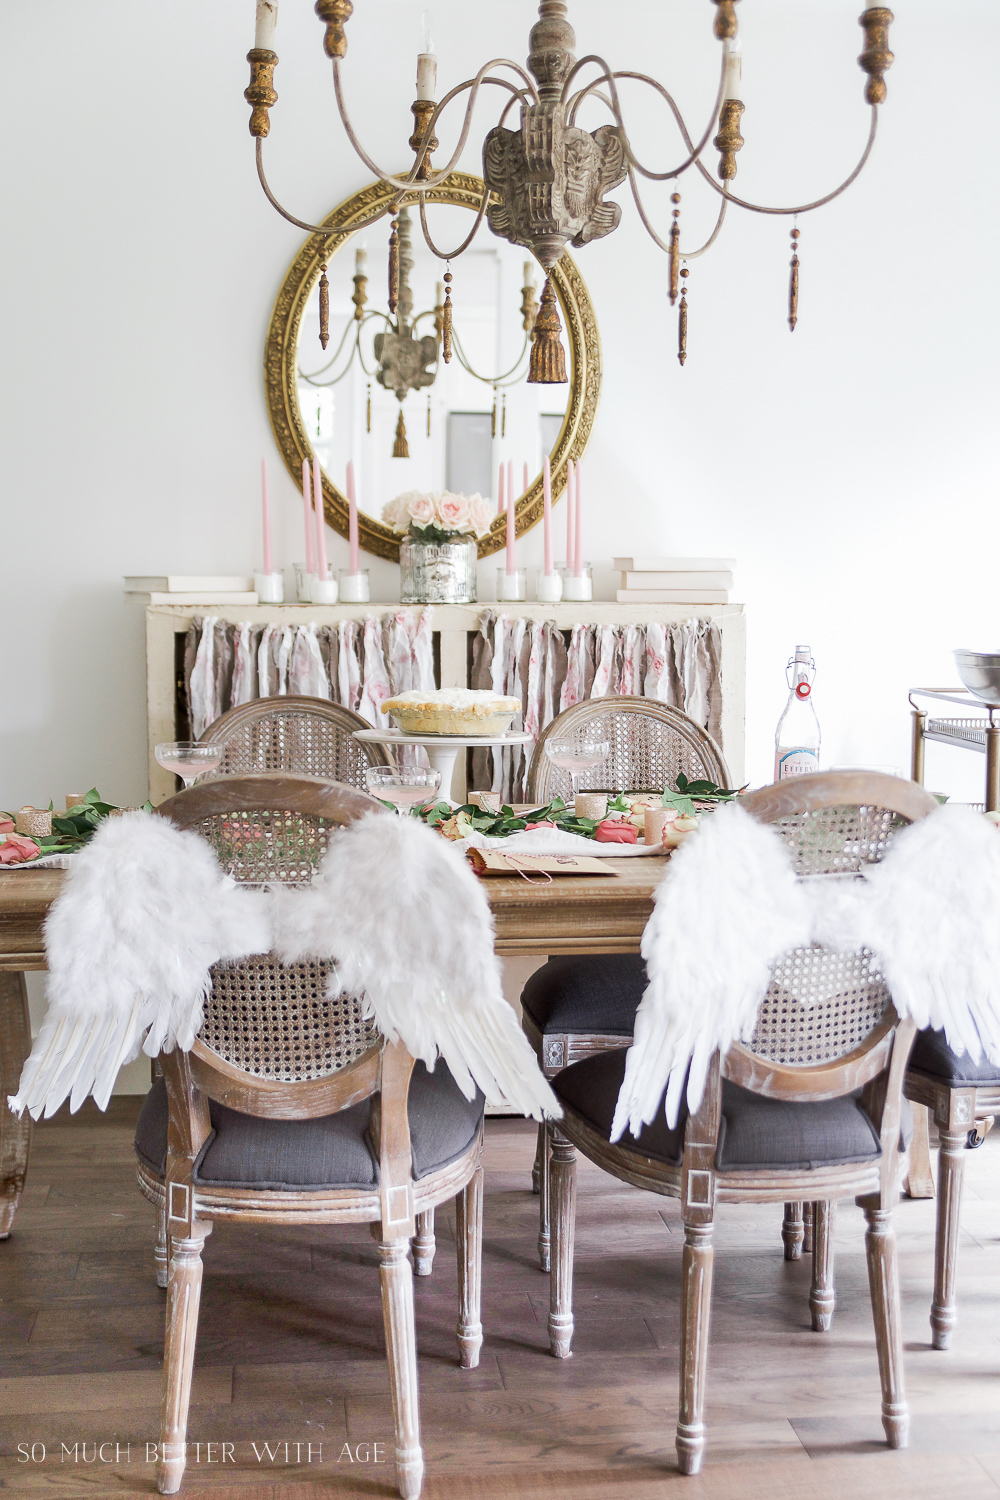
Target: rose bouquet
{"type": "Point", "coordinates": [439, 516]}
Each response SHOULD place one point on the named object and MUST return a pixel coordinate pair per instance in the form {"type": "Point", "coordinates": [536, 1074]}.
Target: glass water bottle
{"type": "Point", "coordinates": [797, 737]}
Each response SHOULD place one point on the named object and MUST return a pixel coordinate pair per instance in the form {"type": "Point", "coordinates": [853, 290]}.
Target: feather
{"type": "Point", "coordinates": [727, 908]}
{"type": "Point", "coordinates": [407, 923]}
{"type": "Point", "coordinates": [144, 913]}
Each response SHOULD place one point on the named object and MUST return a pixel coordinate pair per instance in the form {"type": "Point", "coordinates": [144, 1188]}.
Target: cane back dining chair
{"type": "Point", "coordinates": [810, 1109]}
{"type": "Point", "coordinates": [307, 736]}
{"type": "Point", "coordinates": [290, 1109]}
{"type": "Point", "coordinates": [574, 1005]}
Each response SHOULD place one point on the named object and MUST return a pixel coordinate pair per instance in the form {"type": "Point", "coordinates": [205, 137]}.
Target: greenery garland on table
{"type": "Point", "coordinates": [71, 830]}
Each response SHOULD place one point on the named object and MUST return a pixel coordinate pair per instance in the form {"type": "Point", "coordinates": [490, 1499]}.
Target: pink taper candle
{"type": "Point", "coordinates": [310, 524]}
{"type": "Point", "coordinates": [265, 507]}
{"type": "Point", "coordinates": [511, 521]}
{"type": "Point", "coordinates": [500, 490]}
{"type": "Point", "coordinates": [510, 482]}
{"type": "Point", "coordinates": [322, 569]}
{"type": "Point", "coordinates": [570, 513]}
{"type": "Point", "coordinates": [352, 517]}
{"type": "Point", "coordinates": [524, 488]}
{"type": "Point", "coordinates": [547, 514]}
{"type": "Point", "coordinates": [578, 525]}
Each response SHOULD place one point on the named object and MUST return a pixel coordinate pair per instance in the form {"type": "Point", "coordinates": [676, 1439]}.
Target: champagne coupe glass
{"type": "Point", "coordinates": [581, 752]}
{"type": "Point", "coordinates": [405, 788]}
{"type": "Point", "coordinates": [189, 759]}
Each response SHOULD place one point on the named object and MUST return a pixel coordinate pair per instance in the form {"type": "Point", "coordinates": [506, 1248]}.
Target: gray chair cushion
{"type": "Point", "coordinates": [931, 1054]}
{"type": "Point", "coordinates": [754, 1132]}
{"type": "Point", "coordinates": [600, 993]}
{"type": "Point", "coordinates": [331, 1151]}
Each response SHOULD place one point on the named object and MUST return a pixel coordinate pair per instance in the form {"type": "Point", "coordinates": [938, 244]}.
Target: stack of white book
{"type": "Point", "coordinates": [178, 588]}
{"type": "Point", "coordinates": [675, 580]}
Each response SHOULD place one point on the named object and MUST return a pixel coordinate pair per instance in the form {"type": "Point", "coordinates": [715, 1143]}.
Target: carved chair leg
{"type": "Point", "coordinates": [919, 1178]}
{"type": "Point", "coordinates": [883, 1280]}
{"type": "Point", "coordinates": [562, 1188]}
{"type": "Point", "coordinates": [793, 1231]}
{"type": "Point", "coordinates": [424, 1244]}
{"type": "Point", "coordinates": [469, 1239]}
{"type": "Point", "coordinates": [15, 1134]}
{"type": "Point", "coordinates": [951, 1164]}
{"type": "Point", "coordinates": [183, 1301]}
{"type": "Point", "coordinates": [536, 1166]}
{"type": "Point", "coordinates": [821, 1296]}
{"type": "Point", "coordinates": [396, 1277]}
{"type": "Point", "coordinates": [696, 1314]}
{"type": "Point", "coordinates": [807, 1228]}
{"type": "Point", "coordinates": [544, 1196]}
{"type": "Point", "coordinates": [161, 1250]}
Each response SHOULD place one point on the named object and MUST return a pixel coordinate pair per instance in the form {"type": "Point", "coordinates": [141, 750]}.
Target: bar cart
{"type": "Point", "coordinates": [980, 733]}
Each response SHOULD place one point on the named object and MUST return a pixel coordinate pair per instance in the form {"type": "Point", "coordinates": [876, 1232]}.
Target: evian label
{"type": "Point", "coordinates": [796, 761]}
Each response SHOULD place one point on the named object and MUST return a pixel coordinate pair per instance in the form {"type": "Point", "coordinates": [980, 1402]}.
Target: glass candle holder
{"type": "Point", "coordinates": [549, 588]}
{"type": "Point", "coordinates": [354, 586]}
{"type": "Point", "coordinates": [324, 591]}
{"type": "Point", "coordinates": [303, 583]}
{"type": "Point", "coordinates": [269, 587]}
{"type": "Point", "coordinates": [578, 586]}
{"type": "Point", "coordinates": [512, 587]}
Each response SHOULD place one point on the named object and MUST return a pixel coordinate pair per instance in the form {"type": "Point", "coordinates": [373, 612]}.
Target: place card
{"type": "Point", "coordinates": [532, 866]}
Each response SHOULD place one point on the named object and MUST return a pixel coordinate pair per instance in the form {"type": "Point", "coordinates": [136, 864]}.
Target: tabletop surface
{"type": "Point", "coordinates": [570, 914]}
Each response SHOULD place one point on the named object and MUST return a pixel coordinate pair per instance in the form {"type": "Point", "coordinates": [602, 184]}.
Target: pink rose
{"type": "Point", "coordinates": [480, 514]}
{"type": "Point", "coordinates": [15, 850]}
{"type": "Point", "coordinates": [421, 510]}
{"type": "Point", "coordinates": [453, 511]}
{"type": "Point", "coordinates": [7, 825]}
{"type": "Point", "coordinates": [544, 824]}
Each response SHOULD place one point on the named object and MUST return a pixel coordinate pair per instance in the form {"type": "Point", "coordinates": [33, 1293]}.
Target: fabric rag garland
{"type": "Point", "coordinates": [730, 906]}
{"type": "Point", "coordinates": [358, 663]}
{"type": "Point", "coordinates": [146, 910]}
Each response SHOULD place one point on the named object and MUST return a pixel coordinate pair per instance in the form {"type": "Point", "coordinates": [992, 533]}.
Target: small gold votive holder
{"type": "Point", "coordinates": [33, 822]}
{"type": "Point", "coordinates": [490, 802]}
{"type": "Point", "coordinates": [655, 822]}
{"type": "Point", "coordinates": [74, 799]}
{"type": "Point", "coordinates": [591, 805]}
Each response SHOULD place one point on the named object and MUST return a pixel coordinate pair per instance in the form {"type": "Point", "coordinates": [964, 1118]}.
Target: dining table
{"type": "Point", "coordinates": [540, 918]}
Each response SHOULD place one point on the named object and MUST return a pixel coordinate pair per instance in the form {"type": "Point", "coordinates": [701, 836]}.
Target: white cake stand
{"type": "Point", "coordinates": [442, 749]}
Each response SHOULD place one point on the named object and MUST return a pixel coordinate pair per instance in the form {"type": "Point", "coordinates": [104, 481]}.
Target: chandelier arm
{"type": "Point", "coordinates": [663, 244]}
{"type": "Point", "coordinates": [403, 184]}
{"type": "Point", "coordinates": [334, 356]}
{"type": "Point", "coordinates": [452, 254]}
{"type": "Point", "coordinates": [803, 208]}
{"type": "Point", "coordinates": [495, 380]}
{"type": "Point", "coordinates": [324, 229]}
{"type": "Point", "coordinates": [615, 106]}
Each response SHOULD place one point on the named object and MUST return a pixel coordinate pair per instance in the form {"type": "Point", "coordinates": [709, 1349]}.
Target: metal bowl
{"type": "Point", "coordinates": [980, 672]}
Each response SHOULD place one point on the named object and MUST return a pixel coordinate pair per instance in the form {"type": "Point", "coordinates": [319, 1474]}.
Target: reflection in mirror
{"type": "Point", "coordinates": [381, 392]}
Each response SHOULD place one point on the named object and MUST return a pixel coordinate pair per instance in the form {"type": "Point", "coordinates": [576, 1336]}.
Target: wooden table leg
{"type": "Point", "coordinates": [919, 1180]}
{"type": "Point", "coordinates": [15, 1135]}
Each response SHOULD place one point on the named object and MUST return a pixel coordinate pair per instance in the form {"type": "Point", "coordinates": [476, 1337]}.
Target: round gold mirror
{"type": "Point", "coordinates": [380, 393]}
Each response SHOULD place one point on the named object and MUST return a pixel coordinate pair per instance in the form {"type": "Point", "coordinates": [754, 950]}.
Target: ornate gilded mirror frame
{"type": "Point", "coordinates": [280, 359]}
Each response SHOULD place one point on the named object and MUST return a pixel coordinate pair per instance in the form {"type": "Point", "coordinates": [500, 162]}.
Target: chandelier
{"type": "Point", "coordinates": [402, 359]}
{"type": "Point", "coordinates": [546, 182]}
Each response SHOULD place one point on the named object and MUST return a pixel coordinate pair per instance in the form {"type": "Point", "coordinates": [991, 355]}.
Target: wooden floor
{"type": "Point", "coordinates": [290, 1350]}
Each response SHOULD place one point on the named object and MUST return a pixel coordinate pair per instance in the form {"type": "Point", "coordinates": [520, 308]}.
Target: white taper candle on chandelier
{"type": "Point", "coordinates": [427, 76]}
{"type": "Point", "coordinates": [322, 568]}
{"type": "Point", "coordinates": [267, 20]}
{"type": "Point", "coordinates": [310, 524]}
{"type": "Point", "coordinates": [361, 262]}
{"type": "Point", "coordinates": [733, 53]}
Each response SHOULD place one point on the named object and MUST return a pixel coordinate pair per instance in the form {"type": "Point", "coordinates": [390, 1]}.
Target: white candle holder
{"type": "Point", "coordinates": [354, 586]}
{"type": "Point", "coordinates": [324, 591]}
{"type": "Point", "coordinates": [512, 587]}
{"type": "Point", "coordinates": [578, 587]}
{"type": "Point", "coordinates": [549, 588]}
{"type": "Point", "coordinates": [269, 587]}
{"type": "Point", "coordinates": [303, 583]}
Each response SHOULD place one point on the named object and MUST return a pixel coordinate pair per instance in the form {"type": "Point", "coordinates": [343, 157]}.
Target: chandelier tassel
{"type": "Point", "coordinates": [446, 316]}
{"type": "Point", "coordinates": [675, 248]}
{"type": "Point", "coordinates": [503, 416]}
{"type": "Point", "coordinates": [682, 320]}
{"type": "Point", "coordinates": [324, 307]}
{"type": "Point", "coordinates": [428, 416]}
{"type": "Point", "coordinates": [394, 266]}
{"type": "Point", "coordinates": [548, 357]}
{"type": "Point", "coordinates": [793, 283]}
{"type": "Point", "coordinates": [368, 416]}
{"type": "Point", "coordinates": [493, 416]}
{"type": "Point", "coordinates": [400, 448]}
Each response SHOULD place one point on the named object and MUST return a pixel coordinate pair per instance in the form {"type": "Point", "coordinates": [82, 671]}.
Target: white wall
{"type": "Point", "coordinates": [851, 467]}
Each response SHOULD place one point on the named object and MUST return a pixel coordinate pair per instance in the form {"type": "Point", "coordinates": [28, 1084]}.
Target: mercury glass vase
{"type": "Point", "coordinates": [438, 572]}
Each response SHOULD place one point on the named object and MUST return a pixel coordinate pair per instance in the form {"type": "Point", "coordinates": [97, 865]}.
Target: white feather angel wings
{"type": "Point", "coordinates": [730, 906]}
{"type": "Point", "coordinates": [146, 912]}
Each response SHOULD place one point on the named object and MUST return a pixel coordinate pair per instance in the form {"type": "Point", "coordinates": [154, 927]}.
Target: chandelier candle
{"type": "Point", "coordinates": [267, 20]}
